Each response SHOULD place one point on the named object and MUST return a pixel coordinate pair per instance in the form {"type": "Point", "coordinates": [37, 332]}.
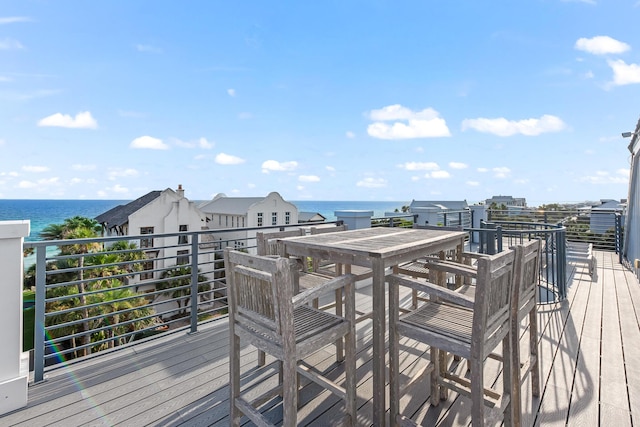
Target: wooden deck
{"type": "Point", "coordinates": [589, 354]}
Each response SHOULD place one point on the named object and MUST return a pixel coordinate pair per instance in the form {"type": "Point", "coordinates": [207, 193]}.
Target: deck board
{"type": "Point", "coordinates": [588, 353]}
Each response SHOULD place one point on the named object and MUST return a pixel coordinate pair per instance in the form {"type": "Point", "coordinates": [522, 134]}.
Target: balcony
{"type": "Point", "coordinates": [587, 344]}
{"type": "Point", "coordinates": [587, 347]}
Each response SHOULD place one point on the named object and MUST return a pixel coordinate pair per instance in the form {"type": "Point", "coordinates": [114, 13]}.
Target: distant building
{"type": "Point", "coordinates": [603, 215]}
{"type": "Point", "coordinates": [247, 212]}
{"type": "Point", "coordinates": [507, 201]}
{"type": "Point", "coordinates": [304, 217]}
{"type": "Point", "coordinates": [156, 212]}
{"type": "Point", "coordinates": [449, 213]}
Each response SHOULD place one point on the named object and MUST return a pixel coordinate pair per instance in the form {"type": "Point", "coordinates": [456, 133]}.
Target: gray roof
{"type": "Point", "coordinates": [447, 204]}
{"type": "Point", "coordinates": [231, 205]}
{"type": "Point", "coordinates": [118, 216]}
{"type": "Point", "coordinates": [609, 205]}
{"type": "Point", "coordinates": [308, 216]}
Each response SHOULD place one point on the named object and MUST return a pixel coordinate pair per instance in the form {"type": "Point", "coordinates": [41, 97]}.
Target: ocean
{"type": "Point", "coordinates": [44, 212]}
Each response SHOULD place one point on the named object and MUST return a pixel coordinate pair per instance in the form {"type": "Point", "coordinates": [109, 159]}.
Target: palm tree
{"type": "Point", "coordinates": [119, 302]}
{"type": "Point", "coordinates": [176, 286]}
{"type": "Point", "coordinates": [76, 228]}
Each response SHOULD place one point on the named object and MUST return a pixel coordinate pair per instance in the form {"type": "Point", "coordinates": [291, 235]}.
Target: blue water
{"type": "Point", "coordinates": [44, 212]}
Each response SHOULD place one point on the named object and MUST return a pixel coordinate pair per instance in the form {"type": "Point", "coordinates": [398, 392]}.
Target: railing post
{"type": "Point", "coordinates": [618, 236]}
{"type": "Point", "coordinates": [194, 283]}
{"type": "Point", "coordinates": [39, 323]}
{"type": "Point", "coordinates": [14, 364]}
{"type": "Point", "coordinates": [561, 267]}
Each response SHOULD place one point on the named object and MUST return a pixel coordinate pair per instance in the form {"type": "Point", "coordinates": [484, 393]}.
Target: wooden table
{"type": "Point", "coordinates": [376, 248]}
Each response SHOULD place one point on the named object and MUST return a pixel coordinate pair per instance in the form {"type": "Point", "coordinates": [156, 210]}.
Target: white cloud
{"type": "Point", "coordinates": [350, 134]}
{"type": "Point", "coordinates": [414, 124]}
{"type": "Point", "coordinates": [501, 172]}
{"type": "Point", "coordinates": [122, 173]}
{"type": "Point", "coordinates": [74, 181]}
{"type": "Point", "coordinates": [601, 45]}
{"type": "Point", "coordinates": [200, 143]}
{"type": "Point", "coordinates": [84, 168]}
{"type": "Point", "coordinates": [148, 142]}
{"type": "Point", "coordinates": [227, 159]}
{"type": "Point", "coordinates": [9, 44]}
{"type": "Point", "coordinates": [118, 189]}
{"type": "Point", "coordinates": [82, 120]}
{"type": "Point", "coordinates": [13, 19]}
{"type": "Point", "coordinates": [231, 92]}
{"type": "Point", "coordinates": [623, 73]}
{"type": "Point", "coordinates": [623, 172]}
{"type": "Point", "coordinates": [204, 144]}
{"type": "Point", "coordinates": [4, 79]}
{"type": "Point", "coordinates": [420, 166]}
{"type": "Point", "coordinates": [26, 184]}
{"type": "Point", "coordinates": [148, 48]}
{"type": "Point", "coordinates": [482, 170]}
{"type": "Point", "coordinates": [308, 178]}
{"type": "Point", "coordinates": [2, 142]}
{"type": "Point", "coordinates": [504, 127]}
{"type": "Point", "coordinates": [473, 183]}
{"type": "Point", "coordinates": [458, 165]}
{"type": "Point", "coordinates": [39, 183]}
{"type": "Point", "coordinates": [372, 183]}
{"type": "Point", "coordinates": [275, 166]}
{"type": "Point", "coordinates": [438, 175]}
{"type": "Point", "coordinates": [330, 168]}
{"type": "Point", "coordinates": [35, 169]}
{"type": "Point", "coordinates": [603, 177]}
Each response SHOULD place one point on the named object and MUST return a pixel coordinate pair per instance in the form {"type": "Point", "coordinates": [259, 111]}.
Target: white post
{"type": "Point", "coordinates": [14, 365]}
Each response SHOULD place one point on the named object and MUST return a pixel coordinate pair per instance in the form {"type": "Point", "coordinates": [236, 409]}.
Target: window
{"type": "Point", "coordinates": [259, 219]}
{"type": "Point", "coordinates": [183, 257]}
{"type": "Point", "coordinates": [287, 217]}
{"type": "Point", "coordinates": [274, 218]}
{"type": "Point", "coordinates": [183, 240]}
{"type": "Point", "coordinates": [146, 243]}
{"type": "Point", "coordinates": [148, 266]}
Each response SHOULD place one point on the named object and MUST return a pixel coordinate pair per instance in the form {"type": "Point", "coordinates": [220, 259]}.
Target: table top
{"type": "Point", "coordinates": [379, 242]}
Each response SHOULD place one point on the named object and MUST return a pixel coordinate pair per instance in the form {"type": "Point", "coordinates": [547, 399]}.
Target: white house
{"type": "Point", "coordinates": [450, 213]}
{"type": "Point", "coordinates": [507, 201]}
{"type": "Point", "coordinates": [156, 212]}
{"type": "Point", "coordinates": [247, 212]}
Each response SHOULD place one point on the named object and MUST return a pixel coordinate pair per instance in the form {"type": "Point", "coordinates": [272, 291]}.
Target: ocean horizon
{"type": "Point", "coordinates": [42, 212]}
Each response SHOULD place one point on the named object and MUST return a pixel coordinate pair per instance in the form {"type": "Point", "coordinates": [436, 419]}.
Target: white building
{"type": "Point", "coordinates": [156, 212]}
{"type": "Point", "coordinates": [449, 213]}
{"type": "Point", "coordinates": [603, 216]}
{"type": "Point", "coordinates": [507, 201]}
{"type": "Point", "coordinates": [247, 212]}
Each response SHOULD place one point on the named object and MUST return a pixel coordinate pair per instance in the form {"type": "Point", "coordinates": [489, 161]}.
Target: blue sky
{"type": "Point", "coordinates": [333, 100]}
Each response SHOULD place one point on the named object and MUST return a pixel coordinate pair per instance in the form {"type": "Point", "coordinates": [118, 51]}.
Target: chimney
{"type": "Point", "coordinates": [180, 191]}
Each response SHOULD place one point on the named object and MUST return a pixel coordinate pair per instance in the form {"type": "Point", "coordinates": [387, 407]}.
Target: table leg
{"type": "Point", "coordinates": [379, 331]}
